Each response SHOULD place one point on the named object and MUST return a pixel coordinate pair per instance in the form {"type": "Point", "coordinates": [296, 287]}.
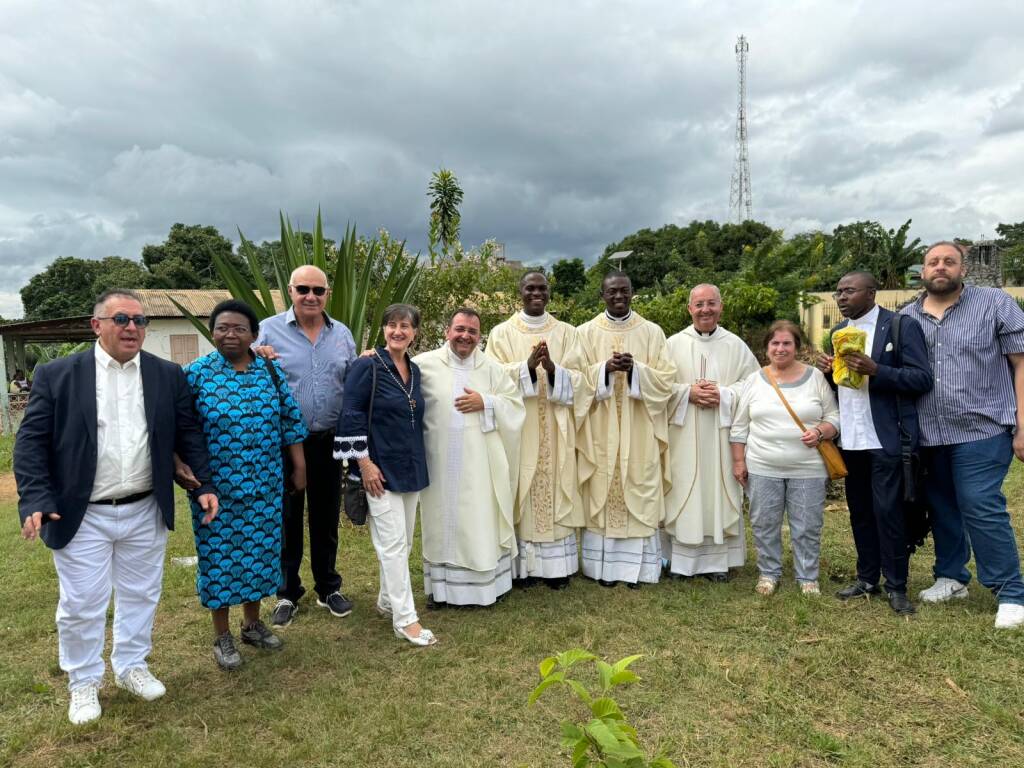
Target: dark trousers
{"type": "Point", "coordinates": [323, 492]}
{"type": "Point", "coordinates": [874, 494]}
{"type": "Point", "coordinates": [965, 492]}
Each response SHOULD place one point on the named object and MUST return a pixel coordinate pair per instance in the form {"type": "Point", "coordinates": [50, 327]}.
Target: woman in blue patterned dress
{"type": "Point", "coordinates": [247, 414]}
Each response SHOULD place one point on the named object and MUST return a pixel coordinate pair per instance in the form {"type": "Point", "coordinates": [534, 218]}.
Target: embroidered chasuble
{"type": "Point", "coordinates": [704, 506]}
{"type": "Point", "coordinates": [623, 443]}
{"type": "Point", "coordinates": [472, 459]}
{"type": "Point", "coordinates": [549, 506]}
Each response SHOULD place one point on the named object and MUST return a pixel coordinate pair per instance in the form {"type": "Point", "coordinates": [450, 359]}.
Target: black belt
{"type": "Point", "coordinates": [124, 499]}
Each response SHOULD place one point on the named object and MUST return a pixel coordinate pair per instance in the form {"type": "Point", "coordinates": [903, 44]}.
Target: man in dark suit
{"type": "Point", "coordinates": [871, 418]}
{"type": "Point", "coordinates": [94, 463]}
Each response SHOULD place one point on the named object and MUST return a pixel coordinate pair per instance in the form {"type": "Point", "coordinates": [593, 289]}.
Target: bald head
{"type": "Point", "coordinates": [705, 290]}
{"type": "Point", "coordinates": [307, 288]}
{"type": "Point", "coordinates": [705, 306]}
{"type": "Point", "coordinates": [306, 273]}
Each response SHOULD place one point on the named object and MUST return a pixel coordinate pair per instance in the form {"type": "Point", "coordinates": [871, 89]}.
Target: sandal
{"type": "Point", "coordinates": [766, 586]}
{"type": "Point", "coordinates": [425, 637]}
{"type": "Point", "coordinates": [809, 588]}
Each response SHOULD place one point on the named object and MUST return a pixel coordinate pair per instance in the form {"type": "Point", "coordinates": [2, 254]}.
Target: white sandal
{"type": "Point", "coordinates": [766, 586]}
{"type": "Point", "coordinates": [425, 637]}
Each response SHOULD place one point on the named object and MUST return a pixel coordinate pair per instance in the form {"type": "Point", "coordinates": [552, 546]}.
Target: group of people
{"type": "Point", "coordinates": [605, 448]}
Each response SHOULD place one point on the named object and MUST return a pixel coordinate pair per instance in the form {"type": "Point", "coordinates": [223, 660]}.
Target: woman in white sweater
{"type": "Point", "coordinates": [778, 464]}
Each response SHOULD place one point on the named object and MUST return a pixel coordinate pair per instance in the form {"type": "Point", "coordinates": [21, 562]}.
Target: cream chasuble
{"type": "Point", "coordinates": [704, 506]}
{"type": "Point", "coordinates": [549, 506]}
{"type": "Point", "coordinates": [623, 444]}
{"type": "Point", "coordinates": [467, 510]}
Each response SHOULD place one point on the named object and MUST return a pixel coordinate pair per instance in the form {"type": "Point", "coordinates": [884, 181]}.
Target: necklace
{"type": "Point", "coordinates": [407, 393]}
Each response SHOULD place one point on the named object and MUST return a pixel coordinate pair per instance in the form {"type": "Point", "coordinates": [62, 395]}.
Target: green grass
{"type": "Point", "coordinates": [728, 678]}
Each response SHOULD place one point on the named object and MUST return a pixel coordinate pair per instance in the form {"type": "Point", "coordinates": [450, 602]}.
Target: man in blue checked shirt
{"type": "Point", "coordinates": [314, 351]}
{"type": "Point", "coordinates": [971, 428]}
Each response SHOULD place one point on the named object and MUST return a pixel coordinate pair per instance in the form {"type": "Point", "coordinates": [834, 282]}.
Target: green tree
{"type": "Point", "coordinates": [1011, 244]}
{"type": "Point", "coordinates": [118, 272]}
{"type": "Point", "coordinates": [445, 198]}
{"type": "Point", "coordinates": [185, 259]}
{"type": "Point", "coordinates": [63, 289]}
{"type": "Point", "coordinates": [886, 253]}
{"type": "Point", "coordinates": [568, 276]}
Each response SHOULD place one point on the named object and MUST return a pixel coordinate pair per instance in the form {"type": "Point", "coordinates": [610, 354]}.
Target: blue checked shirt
{"type": "Point", "coordinates": [973, 398]}
{"type": "Point", "coordinates": [316, 371]}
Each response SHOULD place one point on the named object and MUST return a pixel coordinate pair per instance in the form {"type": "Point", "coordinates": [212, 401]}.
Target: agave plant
{"type": "Point", "coordinates": [350, 301]}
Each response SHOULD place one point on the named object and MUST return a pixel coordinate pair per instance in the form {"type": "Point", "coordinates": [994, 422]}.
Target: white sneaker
{"type": "Point", "coordinates": [85, 705]}
{"type": "Point", "coordinates": [942, 590]}
{"type": "Point", "coordinates": [1009, 615]}
{"type": "Point", "coordinates": [140, 681]}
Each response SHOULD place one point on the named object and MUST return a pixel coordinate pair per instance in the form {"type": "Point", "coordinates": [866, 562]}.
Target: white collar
{"type": "Point", "coordinates": [534, 322]}
{"type": "Point", "coordinates": [457, 362]}
{"type": "Point", "coordinates": [104, 359]}
{"type": "Point", "coordinates": [619, 320]}
{"type": "Point", "coordinates": [868, 318]}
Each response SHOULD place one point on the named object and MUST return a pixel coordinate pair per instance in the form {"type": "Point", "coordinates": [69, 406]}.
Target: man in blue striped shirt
{"type": "Point", "coordinates": [314, 351]}
{"type": "Point", "coordinates": [971, 429]}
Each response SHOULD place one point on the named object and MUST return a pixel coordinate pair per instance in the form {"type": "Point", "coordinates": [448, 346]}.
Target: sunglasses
{"type": "Point", "coordinates": [121, 319]}
{"type": "Point", "coordinates": [302, 290]}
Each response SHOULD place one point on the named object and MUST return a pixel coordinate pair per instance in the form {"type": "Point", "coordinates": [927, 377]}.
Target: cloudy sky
{"type": "Point", "coordinates": [569, 124]}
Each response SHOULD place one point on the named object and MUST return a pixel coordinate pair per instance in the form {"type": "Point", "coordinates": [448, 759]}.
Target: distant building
{"type": "Point", "coordinates": [984, 264]}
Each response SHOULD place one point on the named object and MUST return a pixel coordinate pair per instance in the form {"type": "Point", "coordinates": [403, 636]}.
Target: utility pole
{"type": "Point", "coordinates": [739, 194]}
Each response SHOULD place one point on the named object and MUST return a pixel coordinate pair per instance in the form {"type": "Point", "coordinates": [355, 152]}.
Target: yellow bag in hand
{"type": "Point", "coordinates": [847, 340]}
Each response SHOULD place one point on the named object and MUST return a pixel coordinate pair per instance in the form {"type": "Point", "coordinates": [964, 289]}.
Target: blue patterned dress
{"type": "Point", "coordinates": [246, 419]}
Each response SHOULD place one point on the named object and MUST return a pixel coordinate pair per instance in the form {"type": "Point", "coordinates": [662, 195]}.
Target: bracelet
{"type": "Point", "coordinates": [821, 435]}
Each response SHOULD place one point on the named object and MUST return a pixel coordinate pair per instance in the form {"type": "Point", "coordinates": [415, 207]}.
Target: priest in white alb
{"type": "Point", "coordinates": [623, 444]}
{"type": "Point", "coordinates": [543, 358]}
{"type": "Point", "coordinates": [473, 417]}
{"type": "Point", "coordinates": [704, 509]}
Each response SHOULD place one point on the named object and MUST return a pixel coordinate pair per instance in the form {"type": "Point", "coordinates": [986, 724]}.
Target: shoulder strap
{"type": "Point", "coordinates": [785, 402]}
{"type": "Point", "coordinates": [896, 339]}
{"type": "Point", "coordinates": [274, 377]}
{"type": "Point", "coordinates": [373, 392]}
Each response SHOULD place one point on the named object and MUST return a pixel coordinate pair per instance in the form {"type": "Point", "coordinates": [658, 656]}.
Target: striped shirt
{"type": "Point", "coordinates": [973, 396]}
{"type": "Point", "coordinates": [316, 371]}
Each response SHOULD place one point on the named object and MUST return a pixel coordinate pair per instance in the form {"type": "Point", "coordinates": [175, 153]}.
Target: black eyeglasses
{"type": "Point", "coordinates": [302, 290]}
{"type": "Point", "coordinates": [141, 321]}
{"type": "Point", "coordinates": [846, 292]}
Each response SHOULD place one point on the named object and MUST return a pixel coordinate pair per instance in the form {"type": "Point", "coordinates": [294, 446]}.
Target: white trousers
{"type": "Point", "coordinates": [392, 521]}
{"type": "Point", "coordinates": [120, 548]}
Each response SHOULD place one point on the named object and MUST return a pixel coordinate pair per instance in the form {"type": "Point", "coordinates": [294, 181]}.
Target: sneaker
{"type": "Point", "coordinates": [942, 590]}
{"type": "Point", "coordinates": [284, 612]}
{"type": "Point", "coordinates": [224, 651]}
{"type": "Point", "coordinates": [257, 635]}
{"type": "Point", "coordinates": [85, 705]}
{"type": "Point", "coordinates": [1009, 615]}
{"type": "Point", "coordinates": [140, 681]}
{"type": "Point", "coordinates": [337, 604]}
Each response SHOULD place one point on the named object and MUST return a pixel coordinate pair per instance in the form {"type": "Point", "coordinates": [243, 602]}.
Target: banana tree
{"type": "Point", "coordinates": [350, 300]}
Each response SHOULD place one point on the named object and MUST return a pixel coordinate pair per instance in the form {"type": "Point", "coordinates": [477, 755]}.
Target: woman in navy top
{"type": "Point", "coordinates": [386, 452]}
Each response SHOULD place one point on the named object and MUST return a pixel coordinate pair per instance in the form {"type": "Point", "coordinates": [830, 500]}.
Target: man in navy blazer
{"type": "Point", "coordinates": [871, 418]}
{"type": "Point", "coordinates": [94, 464]}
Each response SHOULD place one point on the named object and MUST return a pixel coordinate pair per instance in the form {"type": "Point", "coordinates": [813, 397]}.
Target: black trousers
{"type": "Point", "coordinates": [323, 492]}
{"type": "Point", "coordinates": [874, 494]}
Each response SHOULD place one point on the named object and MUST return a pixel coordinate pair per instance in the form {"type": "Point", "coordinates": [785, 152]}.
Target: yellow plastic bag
{"type": "Point", "coordinates": [844, 341]}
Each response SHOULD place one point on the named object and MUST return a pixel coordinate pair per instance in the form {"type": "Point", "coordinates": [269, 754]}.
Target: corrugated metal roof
{"type": "Point", "coordinates": [200, 302]}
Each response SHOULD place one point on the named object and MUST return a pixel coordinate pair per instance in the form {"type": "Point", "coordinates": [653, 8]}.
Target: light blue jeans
{"type": "Point", "coordinates": [803, 501]}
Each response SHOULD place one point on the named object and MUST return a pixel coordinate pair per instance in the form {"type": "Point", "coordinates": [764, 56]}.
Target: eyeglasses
{"type": "Point", "coordinates": [121, 319]}
{"type": "Point", "coordinates": [302, 290]}
{"type": "Point", "coordinates": [238, 330]}
{"type": "Point", "coordinates": [846, 292]}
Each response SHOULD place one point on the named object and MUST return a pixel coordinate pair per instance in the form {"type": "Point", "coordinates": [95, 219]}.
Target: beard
{"type": "Point", "coordinates": [952, 286]}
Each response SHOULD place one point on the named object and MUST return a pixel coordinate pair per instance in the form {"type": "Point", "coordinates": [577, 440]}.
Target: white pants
{"type": "Point", "coordinates": [120, 547]}
{"type": "Point", "coordinates": [392, 521]}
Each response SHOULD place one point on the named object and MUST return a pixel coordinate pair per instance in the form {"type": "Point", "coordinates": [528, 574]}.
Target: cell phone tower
{"type": "Point", "coordinates": [739, 194]}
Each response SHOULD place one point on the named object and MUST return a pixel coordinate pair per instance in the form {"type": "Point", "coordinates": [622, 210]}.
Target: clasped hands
{"type": "Point", "coordinates": [184, 477]}
{"type": "Point", "coordinates": [619, 361]}
{"type": "Point", "coordinates": [704, 394]}
{"type": "Point", "coordinates": [540, 357]}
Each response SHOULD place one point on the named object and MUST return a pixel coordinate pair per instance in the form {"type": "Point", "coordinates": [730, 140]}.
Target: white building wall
{"type": "Point", "coordinates": [160, 330]}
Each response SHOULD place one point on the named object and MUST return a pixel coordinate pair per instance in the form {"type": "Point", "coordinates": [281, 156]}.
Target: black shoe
{"type": "Point", "coordinates": [608, 584]}
{"type": "Point", "coordinates": [719, 577]}
{"type": "Point", "coordinates": [283, 613]}
{"type": "Point", "coordinates": [337, 604]}
{"type": "Point", "coordinates": [435, 605]}
{"type": "Point", "coordinates": [858, 589]}
{"type": "Point", "coordinates": [525, 582]}
{"type": "Point", "coordinates": [900, 604]}
{"type": "Point", "coordinates": [559, 583]}
{"type": "Point", "coordinates": [633, 585]}
{"type": "Point", "coordinates": [679, 577]}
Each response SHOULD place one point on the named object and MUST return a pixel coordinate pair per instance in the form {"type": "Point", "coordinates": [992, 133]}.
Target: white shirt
{"type": "Point", "coordinates": [855, 404]}
{"type": "Point", "coordinates": [123, 463]}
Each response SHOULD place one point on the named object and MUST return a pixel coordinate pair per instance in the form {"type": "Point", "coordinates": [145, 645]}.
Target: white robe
{"type": "Point", "coordinates": [549, 506]}
{"type": "Point", "coordinates": [704, 508]}
{"type": "Point", "coordinates": [466, 511]}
